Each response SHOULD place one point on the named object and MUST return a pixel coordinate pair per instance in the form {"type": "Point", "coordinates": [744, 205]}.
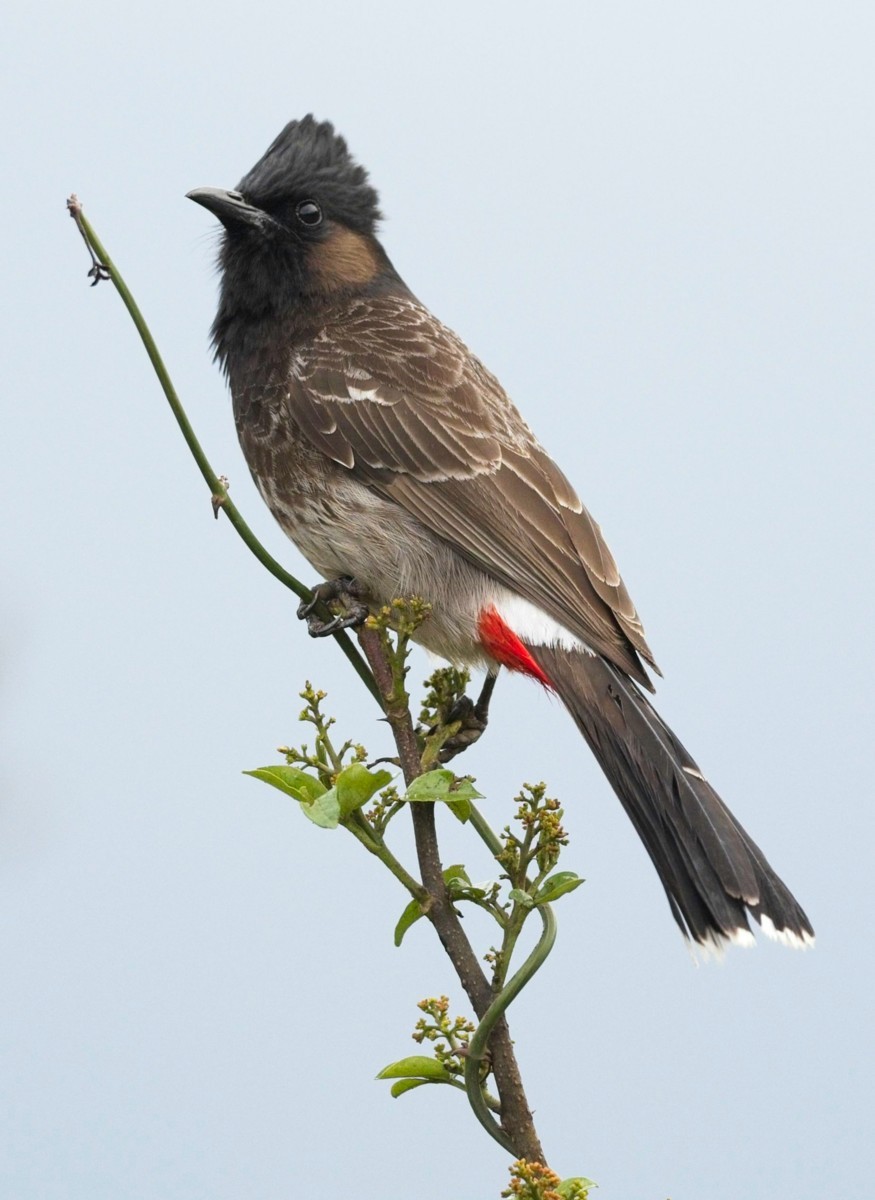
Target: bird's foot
{"type": "Point", "coordinates": [346, 593]}
{"type": "Point", "coordinates": [474, 717]}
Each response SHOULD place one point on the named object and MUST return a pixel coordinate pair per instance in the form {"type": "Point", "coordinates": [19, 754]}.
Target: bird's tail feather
{"type": "Point", "coordinates": [712, 872]}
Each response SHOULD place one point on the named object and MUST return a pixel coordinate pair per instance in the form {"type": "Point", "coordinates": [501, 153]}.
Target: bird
{"type": "Point", "coordinates": [395, 461]}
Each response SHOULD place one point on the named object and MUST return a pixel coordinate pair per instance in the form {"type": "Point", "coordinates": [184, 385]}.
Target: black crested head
{"type": "Point", "coordinates": [308, 160]}
{"type": "Point", "coordinates": [299, 230]}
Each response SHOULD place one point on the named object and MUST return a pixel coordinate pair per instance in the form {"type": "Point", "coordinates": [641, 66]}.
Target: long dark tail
{"type": "Point", "coordinates": [713, 873]}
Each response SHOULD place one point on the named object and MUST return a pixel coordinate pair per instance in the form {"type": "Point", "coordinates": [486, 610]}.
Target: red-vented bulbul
{"type": "Point", "coordinates": [391, 456]}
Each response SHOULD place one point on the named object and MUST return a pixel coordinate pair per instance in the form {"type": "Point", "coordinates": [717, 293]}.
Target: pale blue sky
{"type": "Point", "coordinates": [654, 223]}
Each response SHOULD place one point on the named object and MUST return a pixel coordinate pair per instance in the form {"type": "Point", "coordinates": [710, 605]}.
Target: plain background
{"type": "Point", "coordinates": [654, 222]}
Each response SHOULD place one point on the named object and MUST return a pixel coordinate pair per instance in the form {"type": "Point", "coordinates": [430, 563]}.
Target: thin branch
{"type": "Point", "coordinates": [517, 1133]}
{"type": "Point", "coordinates": [358, 827]}
{"type": "Point", "coordinates": [105, 268]}
{"type": "Point", "coordinates": [496, 1010]}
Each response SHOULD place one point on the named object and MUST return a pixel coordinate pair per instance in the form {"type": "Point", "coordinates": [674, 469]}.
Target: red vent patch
{"type": "Point", "coordinates": [500, 641]}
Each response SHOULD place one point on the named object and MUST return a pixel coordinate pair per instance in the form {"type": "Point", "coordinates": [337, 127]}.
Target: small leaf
{"type": "Point", "coordinates": [575, 1187]}
{"type": "Point", "coordinates": [291, 780]}
{"type": "Point", "coordinates": [460, 809]}
{"type": "Point", "coordinates": [356, 784]}
{"type": "Point", "coordinates": [441, 785]}
{"type": "Point", "coordinates": [521, 897]}
{"type": "Point", "coordinates": [460, 886]}
{"type": "Point", "coordinates": [459, 890]}
{"type": "Point", "coordinates": [406, 1085]}
{"type": "Point", "coordinates": [409, 917]}
{"type": "Point", "coordinates": [317, 802]}
{"type": "Point", "coordinates": [463, 791]}
{"type": "Point", "coordinates": [434, 785]}
{"type": "Point", "coordinates": [324, 811]}
{"type": "Point", "coordinates": [557, 885]}
{"type": "Point", "coordinates": [417, 1066]}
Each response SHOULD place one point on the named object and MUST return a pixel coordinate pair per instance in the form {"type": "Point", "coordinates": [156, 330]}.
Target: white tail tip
{"type": "Point", "coordinates": [786, 937]}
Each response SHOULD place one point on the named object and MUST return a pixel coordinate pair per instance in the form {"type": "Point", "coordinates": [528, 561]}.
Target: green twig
{"type": "Point", "coordinates": [105, 268]}
{"type": "Point", "coordinates": [359, 828]}
{"type": "Point", "coordinates": [478, 1043]}
{"type": "Point", "coordinates": [483, 828]}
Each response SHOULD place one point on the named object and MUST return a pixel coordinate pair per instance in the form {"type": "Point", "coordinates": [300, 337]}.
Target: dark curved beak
{"type": "Point", "coordinates": [229, 207]}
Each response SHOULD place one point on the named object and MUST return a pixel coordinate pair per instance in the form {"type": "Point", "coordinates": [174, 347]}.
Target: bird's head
{"type": "Point", "coordinates": [299, 226]}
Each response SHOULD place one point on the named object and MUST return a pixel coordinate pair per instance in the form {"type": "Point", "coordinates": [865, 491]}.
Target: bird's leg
{"type": "Point", "coordinates": [347, 593]}
{"type": "Point", "coordinates": [474, 716]}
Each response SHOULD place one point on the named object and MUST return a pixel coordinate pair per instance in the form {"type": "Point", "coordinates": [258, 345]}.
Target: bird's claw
{"type": "Point", "coordinates": [344, 591]}
{"type": "Point", "coordinates": [319, 628]}
{"type": "Point", "coordinates": [470, 730]}
{"type": "Point", "coordinates": [473, 718]}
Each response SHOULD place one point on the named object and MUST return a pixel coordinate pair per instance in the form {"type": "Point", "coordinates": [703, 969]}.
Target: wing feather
{"type": "Point", "coordinates": [389, 393]}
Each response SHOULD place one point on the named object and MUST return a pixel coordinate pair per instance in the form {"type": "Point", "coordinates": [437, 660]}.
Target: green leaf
{"type": "Point", "coordinates": [557, 885]}
{"type": "Point", "coordinates": [406, 1085]}
{"type": "Point", "coordinates": [356, 784]}
{"type": "Point", "coordinates": [465, 891]}
{"type": "Point", "coordinates": [417, 1066]}
{"type": "Point", "coordinates": [460, 809]}
{"type": "Point", "coordinates": [454, 875]}
{"type": "Point", "coordinates": [521, 897]}
{"type": "Point", "coordinates": [291, 780]}
{"type": "Point", "coordinates": [460, 886]}
{"type": "Point", "coordinates": [434, 785]}
{"type": "Point", "coordinates": [463, 791]}
{"type": "Point", "coordinates": [409, 917]}
{"type": "Point", "coordinates": [576, 1188]}
{"type": "Point", "coordinates": [317, 803]}
{"type": "Point", "coordinates": [441, 785]}
{"type": "Point", "coordinates": [324, 811]}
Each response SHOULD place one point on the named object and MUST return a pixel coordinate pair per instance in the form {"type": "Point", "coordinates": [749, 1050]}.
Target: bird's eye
{"type": "Point", "coordinates": [309, 213]}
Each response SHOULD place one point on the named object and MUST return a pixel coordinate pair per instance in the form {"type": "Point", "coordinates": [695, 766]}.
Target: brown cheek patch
{"type": "Point", "coordinates": [343, 259]}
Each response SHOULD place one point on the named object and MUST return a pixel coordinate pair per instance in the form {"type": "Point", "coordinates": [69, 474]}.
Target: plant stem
{"type": "Point", "coordinates": [359, 829]}
{"type": "Point", "coordinates": [484, 829]}
{"type": "Point", "coordinates": [217, 487]}
{"type": "Point", "coordinates": [507, 995]}
{"type": "Point", "coordinates": [517, 1132]}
